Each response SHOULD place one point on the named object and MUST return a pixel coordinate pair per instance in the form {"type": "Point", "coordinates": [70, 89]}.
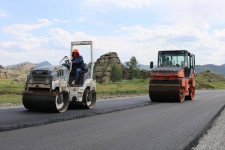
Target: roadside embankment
{"type": "Point", "coordinates": [214, 139]}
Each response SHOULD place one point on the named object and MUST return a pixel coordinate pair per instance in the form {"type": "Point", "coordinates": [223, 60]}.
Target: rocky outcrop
{"type": "Point", "coordinates": [21, 78]}
{"type": "Point", "coordinates": [4, 74]}
{"type": "Point", "coordinates": [103, 66]}
{"type": "Point", "coordinates": [2, 67]}
{"type": "Point", "coordinates": [15, 71]}
{"type": "Point", "coordinates": [12, 73]}
{"type": "Point", "coordinates": [25, 67]}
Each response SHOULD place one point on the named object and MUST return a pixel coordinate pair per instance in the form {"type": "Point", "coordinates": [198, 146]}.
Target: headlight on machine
{"type": "Point", "coordinates": [31, 81]}
{"type": "Point", "coordinates": [174, 74]}
{"type": "Point", "coordinates": [47, 81]}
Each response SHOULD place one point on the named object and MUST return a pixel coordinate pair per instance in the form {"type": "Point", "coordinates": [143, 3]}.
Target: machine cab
{"type": "Point", "coordinates": [177, 58]}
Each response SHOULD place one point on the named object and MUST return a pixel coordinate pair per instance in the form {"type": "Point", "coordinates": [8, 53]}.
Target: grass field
{"type": "Point", "coordinates": [10, 91]}
{"type": "Point", "coordinates": [124, 87]}
{"type": "Point", "coordinates": [11, 86]}
{"type": "Point", "coordinates": [10, 98]}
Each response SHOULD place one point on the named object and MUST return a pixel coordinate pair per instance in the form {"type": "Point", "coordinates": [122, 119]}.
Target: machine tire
{"type": "Point", "coordinates": [191, 95]}
{"type": "Point", "coordinates": [182, 97]}
{"type": "Point", "coordinates": [65, 103]}
{"type": "Point", "coordinates": [89, 98]}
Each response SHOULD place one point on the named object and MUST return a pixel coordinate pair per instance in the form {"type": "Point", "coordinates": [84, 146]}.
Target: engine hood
{"type": "Point", "coordinates": [49, 68]}
{"type": "Point", "coordinates": [166, 69]}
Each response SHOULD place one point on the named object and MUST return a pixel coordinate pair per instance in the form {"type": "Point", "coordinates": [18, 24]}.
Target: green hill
{"type": "Point", "coordinates": [209, 80]}
{"type": "Point", "coordinates": [212, 68]}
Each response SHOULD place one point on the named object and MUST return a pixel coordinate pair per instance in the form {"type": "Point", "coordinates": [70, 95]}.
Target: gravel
{"type": "Point", "coordinates": [214, 138]}
{"type": "Point", "coordinates": [10, 105]}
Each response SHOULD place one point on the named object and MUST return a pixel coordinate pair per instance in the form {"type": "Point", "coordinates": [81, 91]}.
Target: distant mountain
{"type": "Point", "coordinates": [212, 68]}
{"type": "Point", "coordinates": [11, 66]}
{"type": "Point", "coordinates": [145, 67]}
{"type": "Point", "coordinates": [24, 67]}
{"type": "Point", "coordinates": [44, 63]}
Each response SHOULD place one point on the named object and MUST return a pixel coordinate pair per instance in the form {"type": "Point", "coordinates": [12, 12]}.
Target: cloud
{"type": "Point", "coordinates": [132, 3]}
{"type": "Point", "coordinates": [176, 33]}
{"type": "Point", "coordinates": [31, 56]}
{"type": "Point", "coordinates": [24, 44]}
{"type": "Point", "coordinates": [198, 12]}
{"type": "Point", "coordinates": [60, 21]}
{"type": "Point", "coordinates": [80, 19]}
{"type": "Point", "coordinates": [102, 10]}
{"type": "Point", "coordinates": [118, 3]}
{"type": "Point", "coordinates": [23, 29]}
{"type": "Point", "coordinates": [143, 43]}
{"type": "Point", "coordinates": [219, 34]}
{"type": "Point", "coordinates": [3, 13]}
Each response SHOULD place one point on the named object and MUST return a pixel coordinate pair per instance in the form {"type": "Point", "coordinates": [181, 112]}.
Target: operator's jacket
{"type": "Point", "coordinates": [77, 63]}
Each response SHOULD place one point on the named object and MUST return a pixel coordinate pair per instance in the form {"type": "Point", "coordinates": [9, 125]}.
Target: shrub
{"type": "Point", "coordinates": [116, 73]}
{"type": "Point", "coordinates": [133, 68]}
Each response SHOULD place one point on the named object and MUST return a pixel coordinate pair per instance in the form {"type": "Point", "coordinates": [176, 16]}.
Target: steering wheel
{"type": "Point", "coordinates": [67, 61]}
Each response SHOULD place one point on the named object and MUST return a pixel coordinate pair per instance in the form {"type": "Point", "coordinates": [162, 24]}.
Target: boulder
{"type": "Point", "coordinates": [108, 69]}
{"type": "Point", "coordinates": [4, 74]}
{"type": "Point", "coordinates": [1, 67]}
{"type": "Point", "coordinates": [107, 74]}
{"type": "Point", "coordinates": [21, 78]}
{"type": "Point", "coordinates": [103, 65]}
{"type": "Point", "coordinates": [105, 79]}
{"type": "Point", "coordinates": [99, 74]}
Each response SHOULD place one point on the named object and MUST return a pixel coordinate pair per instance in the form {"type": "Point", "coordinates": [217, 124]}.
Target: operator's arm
{"type": "Point", "coordinates": [78, 60]}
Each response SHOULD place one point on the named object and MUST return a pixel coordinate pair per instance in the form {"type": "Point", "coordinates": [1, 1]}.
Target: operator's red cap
{"type": "Point", "coordinates": [76, 51]}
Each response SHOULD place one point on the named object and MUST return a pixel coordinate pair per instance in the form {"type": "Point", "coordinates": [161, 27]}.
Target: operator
{"type": "Point", "coordinates": [167, 62]}
{"type": "Point", "coordinates": [77, 63]}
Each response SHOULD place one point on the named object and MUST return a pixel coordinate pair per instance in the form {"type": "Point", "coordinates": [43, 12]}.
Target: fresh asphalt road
{"type": "Point", "coordinates": [131, 123]}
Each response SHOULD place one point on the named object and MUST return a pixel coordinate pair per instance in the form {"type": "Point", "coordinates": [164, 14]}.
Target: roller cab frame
{"type": "Point", "coordinates": [48, 88]}
{"type": "Point", "coordinates": [173, 77]}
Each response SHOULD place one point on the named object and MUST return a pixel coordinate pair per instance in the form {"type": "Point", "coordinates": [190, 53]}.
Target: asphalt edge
{"type": "Point", "coordinates": [204, 131]}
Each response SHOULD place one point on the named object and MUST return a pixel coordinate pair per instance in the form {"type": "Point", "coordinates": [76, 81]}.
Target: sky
{"type": "Point", "coordinates": [43, 30]}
